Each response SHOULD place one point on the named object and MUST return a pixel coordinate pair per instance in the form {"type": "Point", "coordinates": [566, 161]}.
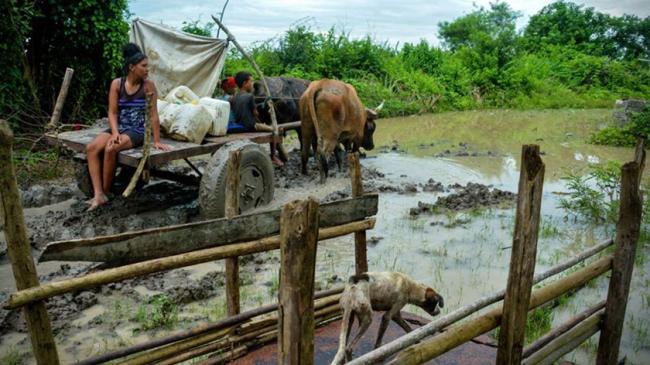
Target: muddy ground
{"type": "Point", "coordinates": [57, 211]}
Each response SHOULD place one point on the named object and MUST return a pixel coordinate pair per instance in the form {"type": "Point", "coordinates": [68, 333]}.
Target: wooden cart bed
{"type": "Point", "coordinates": [77, 141]}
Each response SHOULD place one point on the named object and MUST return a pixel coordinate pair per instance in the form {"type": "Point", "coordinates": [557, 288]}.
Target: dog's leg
{"type": "Point", "coordinates": [346, 323]}
{"type": "Point", "coordinates": [401, 322]}
{"type": "Point", "coordinates": [385, 320]}
{"type": "Point", "coordinates": [365, 318]}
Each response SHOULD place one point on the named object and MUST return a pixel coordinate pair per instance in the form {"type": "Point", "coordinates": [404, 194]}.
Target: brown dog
{"type": "Point", "coordinates": [380, 291]}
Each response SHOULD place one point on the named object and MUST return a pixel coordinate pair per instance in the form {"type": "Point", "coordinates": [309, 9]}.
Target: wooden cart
{"type": "Point", "coordinates": [256, 170]}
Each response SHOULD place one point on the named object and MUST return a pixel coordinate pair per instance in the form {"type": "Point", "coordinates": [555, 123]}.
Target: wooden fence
{"type": "Point", "coordinates": [227, 238]}
{"type": "Point", "coordinates": [428, 342]}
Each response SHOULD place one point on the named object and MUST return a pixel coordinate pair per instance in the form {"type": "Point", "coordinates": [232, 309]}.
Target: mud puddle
{"type": "Point", "coordinates": [462, 253]}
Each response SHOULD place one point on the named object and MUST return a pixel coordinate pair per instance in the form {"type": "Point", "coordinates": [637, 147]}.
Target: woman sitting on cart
{"type": "Point", "coordinates": [126, 114]}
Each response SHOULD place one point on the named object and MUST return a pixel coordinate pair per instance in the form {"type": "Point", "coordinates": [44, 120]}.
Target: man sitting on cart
{"type": "Point", "coordinates": [246, 117]}
{"type": "Point", "coordinates": [126, 114]}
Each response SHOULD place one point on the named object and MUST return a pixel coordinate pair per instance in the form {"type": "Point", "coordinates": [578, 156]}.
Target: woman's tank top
{"type": "Point", "coordinates": [131, 109]}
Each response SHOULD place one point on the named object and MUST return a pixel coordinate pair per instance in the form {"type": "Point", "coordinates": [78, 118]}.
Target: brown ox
{"type": "Point", "coordinates": [331, 113]}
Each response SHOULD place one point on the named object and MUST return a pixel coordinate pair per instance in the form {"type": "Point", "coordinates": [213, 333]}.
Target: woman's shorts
{"type": "Point", "coordinates": [136, 138]}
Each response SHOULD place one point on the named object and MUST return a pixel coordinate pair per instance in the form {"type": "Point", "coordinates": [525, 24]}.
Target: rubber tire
{"type": "Point", "coordinates": [212, 191]}
{"type": "Point", "coordinates": [82, 176]}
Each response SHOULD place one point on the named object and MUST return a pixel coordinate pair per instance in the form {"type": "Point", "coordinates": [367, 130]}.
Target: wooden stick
{"type": "Point", "coordinates": [232, 210]}
{"type": "Point", "coordinates": [627, 236]}
{"type": "Point", "coordinates": [522, 261]}
{"type": "Point", "coordinates": [22, 264]}
{"type": "Point", "coordinates": [463, 332]}
{"type": "Point", "coordinates": [231, 37]}
{"type": "Point", "coordinates": [170, 350]}
{"type": "Point", "coordinates": [436, 325]}
{"type": "Point", "coordinates": [299, 237]}
{"type": "Point", "coordinates": [565, 327]}
{"type": "Point", "coordinates": [60, 100]}
{"type": "Point", "coordinates": [146, 149]}
{"type": "Point", "coordinates": [48, 290]}
{"type": "Point", "coordinates": [566, 342]}
{"type": "Point", "coordinates": [360, 248]}
{"type": "Point", "coordinates": [323, 298]}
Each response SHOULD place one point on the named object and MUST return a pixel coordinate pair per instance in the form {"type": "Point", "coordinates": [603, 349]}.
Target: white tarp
{"type": "Point", "coordinates": [179, 58]}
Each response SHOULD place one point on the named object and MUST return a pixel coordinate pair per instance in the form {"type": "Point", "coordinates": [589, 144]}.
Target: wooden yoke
{"type": "Point", "coordinates": [299, 238]}
{"type": "Point", "coordinates": [22, 263]}
{"type": "Point", "coordinates": [522, 260]}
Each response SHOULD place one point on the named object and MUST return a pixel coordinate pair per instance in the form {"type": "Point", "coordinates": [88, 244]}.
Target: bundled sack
{"type": "Point", "coordinates": [184, 122]}
{"type": "Point", "coordinates": [220, 111]}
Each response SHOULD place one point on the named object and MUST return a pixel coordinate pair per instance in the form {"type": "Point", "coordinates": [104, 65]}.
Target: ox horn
{"type": "Point", "coordinates": [380, 107]}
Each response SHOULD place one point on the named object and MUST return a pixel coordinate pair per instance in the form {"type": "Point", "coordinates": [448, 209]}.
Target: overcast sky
{"type": "Point", "coordinates": [393, 21]}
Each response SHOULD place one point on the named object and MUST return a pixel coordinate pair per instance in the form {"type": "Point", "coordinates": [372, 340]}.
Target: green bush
{"type": "Point", "coordinates": [639, 126]}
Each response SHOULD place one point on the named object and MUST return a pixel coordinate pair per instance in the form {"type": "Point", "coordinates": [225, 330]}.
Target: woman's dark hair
{"type": "Point", "coordinates": [132, 55]}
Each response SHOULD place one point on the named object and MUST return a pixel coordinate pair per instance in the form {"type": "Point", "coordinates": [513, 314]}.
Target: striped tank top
{"type": "Point", "coordinates": [131, 109]}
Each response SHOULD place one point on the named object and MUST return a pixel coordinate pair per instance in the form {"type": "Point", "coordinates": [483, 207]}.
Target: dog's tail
{"type": "Point", "coordinates": [345, 323]}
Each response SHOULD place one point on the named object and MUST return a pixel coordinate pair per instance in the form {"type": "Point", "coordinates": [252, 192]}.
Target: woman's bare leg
{"type": "Point", "coordinates": [110, 158]}
{"type": "Point", "coordinates": [93, 151]}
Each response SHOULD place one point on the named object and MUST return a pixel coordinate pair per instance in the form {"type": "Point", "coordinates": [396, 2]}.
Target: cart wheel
{"type": "Point", "coordinates": [255, 179]}
{"type": "Point", "coordinates": [83, 178]}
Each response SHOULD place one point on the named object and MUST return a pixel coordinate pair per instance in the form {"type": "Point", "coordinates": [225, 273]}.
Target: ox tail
{"type": "Point", "coordinates": [339, 358]}
{"type": "Point", "coordinates": [311, 106]}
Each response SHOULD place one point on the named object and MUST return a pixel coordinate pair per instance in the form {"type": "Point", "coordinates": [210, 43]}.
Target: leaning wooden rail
{"type": "Point", "coordinates": [51, 289]}
{"type": "Point", "coordinates": [458, 334]}
{"type": "Point", "coordinates": [436, 325]}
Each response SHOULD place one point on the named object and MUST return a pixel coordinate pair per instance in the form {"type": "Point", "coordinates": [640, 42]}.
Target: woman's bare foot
{"type": "Point", "coordinates": [97, 201]}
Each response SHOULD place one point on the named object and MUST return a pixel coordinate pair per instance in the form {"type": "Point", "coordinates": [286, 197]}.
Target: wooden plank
{"type": "Point", "coordinates": [94, 279]}
{"type": "Point", "coordinates": [232, 210]}
{"type": "Point", "coordinates": [20, 255]}
{"type": "Point", "coordinates": [627, 237]}
{"type": "Point", "coordinates": [522, 261]}
{"type": "Point", "coordinates": [159, 242]}
{"type": "Point", "coordinates": [460, 333]}
{"type": "Point", "coordinates": [360, 247]}
{"type": "Point", "coordinates": [78, 140]}
{"type": "Point", "coordinates": [298, 242]}
{"type": "Point", "coordinates": [566, 342]}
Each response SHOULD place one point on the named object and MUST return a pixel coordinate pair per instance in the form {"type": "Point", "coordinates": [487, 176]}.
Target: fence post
{"type": "Point", "coordinates": [22, 264]}
{"type": "Point", "coordinates": [232, 210]}
{"type": "Point", "coordinates": [360, 249]}
{"type": "Point", "coordinates": [298, 237]}
{"type": "Point", "coordinates": [627, 236]}
{"type": "Point", "coordinates": [522, 260]}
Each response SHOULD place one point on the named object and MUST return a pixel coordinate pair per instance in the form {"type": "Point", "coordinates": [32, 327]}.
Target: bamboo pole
{"type": "Point", "coordinates": [51, 289]}
{"type": "Point", "coordinates": [22, 263]}
{"type": "Point", "coordinates": [463, 332]}
{"type": "Point", "coordinates": [323, 298]}
{"type": "Point", "coordinates": [232, 210]}
{"type": "Point", "coordinates": [299, 237]}
{"type": "Point", "coordinates": [146, 148]}
{"type": "Point", "coordinates": [627, 236]}
{"type": "Point", "coordinates": [436, 325]}
{"type": "Point", "coordinates": [522, 260]}
{"type": "Point", "coordinates": [360, 248]}
{"type": "Point", "coordinates": [60, 100]}
{"type": "Point", "coordinates": [567, 341]}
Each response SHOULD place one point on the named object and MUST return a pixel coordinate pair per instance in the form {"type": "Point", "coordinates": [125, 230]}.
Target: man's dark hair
{"type": "Point", "coordinates": [241, 78]}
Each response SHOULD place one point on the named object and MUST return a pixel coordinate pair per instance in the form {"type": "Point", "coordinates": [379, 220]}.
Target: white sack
{"type": "Point", "coordinates": [220, 111]}
{"type": "Point", "coordinates": [179, 58]}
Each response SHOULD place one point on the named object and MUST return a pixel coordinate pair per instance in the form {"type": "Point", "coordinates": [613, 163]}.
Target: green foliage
{"type": "Point", "coordinates": [595, 196]}
{"type": "Point", "coordinates": [194, 27]}
{"type": "Point", "coordinates": [161, 312]}
{"type": "Point", "coordinates": [43, 38]}
{"type": "Point", "coordinates": [538, 323]}
{"type": "Point", "coordinates": [11, 357]}
{"type": "Point", "coordinates": [626, 136]}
